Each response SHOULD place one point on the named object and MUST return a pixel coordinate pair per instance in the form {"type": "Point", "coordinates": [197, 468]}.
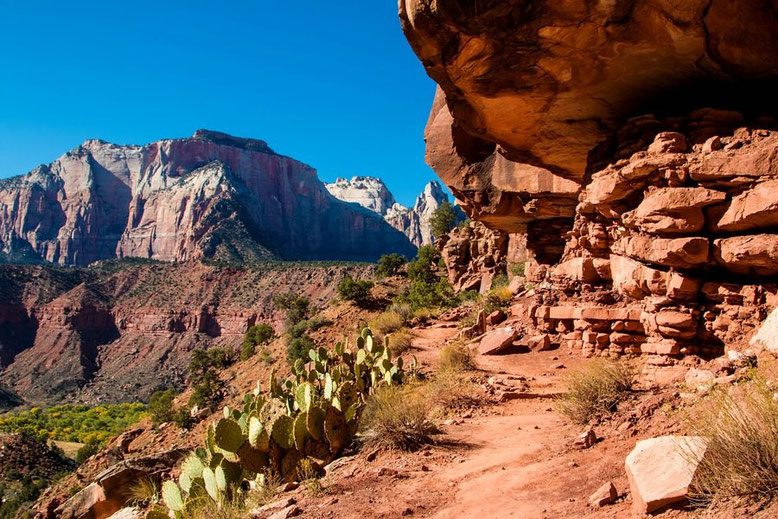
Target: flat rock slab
{"type": "Point", "coordinates": [497, 341]}
{"type": "Point", "coordinates": [661, 469]}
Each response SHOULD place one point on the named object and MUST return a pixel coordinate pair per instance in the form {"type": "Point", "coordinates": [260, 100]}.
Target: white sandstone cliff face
{"type": "Point", "coordinates": [211, 195]}
{"type": "Point", "coordinates": [371, 193]}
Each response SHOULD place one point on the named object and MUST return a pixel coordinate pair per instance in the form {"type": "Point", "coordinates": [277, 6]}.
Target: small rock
{"type": "Point", "coordinates": [572, 464]}
{"type": "Point", "coordinates": [288, 487]}
{"type": "Point", "coordinates": [425, 468]}
{"type": "Point", "coordinates": [604, 495]}
{"type": "Point", "coordinates": [372, 455]}
{"type": "Point", "coordinates": [291, 511]}
{"type": "Point", "coordinates": [408, 511]}
{"type": "Point", "coordinates": [558, 366]}
{"type": "Point", "coordinates": [386, 471]}
{"type": "Point", "coordinates": [586, 439]}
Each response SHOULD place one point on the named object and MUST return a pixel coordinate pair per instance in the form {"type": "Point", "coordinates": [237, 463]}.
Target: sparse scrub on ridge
{"type": "Point", "coordinates": [256, 336]}
{"type": "Point", "coordinates": [595, 390]}
{"type": "Point", "coordinates": [451, 391]}
{"type": "Point", "coordinates": [741, 426]}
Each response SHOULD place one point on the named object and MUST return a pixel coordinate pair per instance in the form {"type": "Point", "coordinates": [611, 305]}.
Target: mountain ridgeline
{"type": "Point", "coordinates": [211, 196]}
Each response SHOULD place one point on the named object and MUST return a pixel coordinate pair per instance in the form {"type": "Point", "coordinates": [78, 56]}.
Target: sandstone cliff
{"type": "Point", "coordinates": [371, 193]}
{"type": "Point", "coordinates": [209, 196]}
{"type": "Point", "coordinates": [631, 145]}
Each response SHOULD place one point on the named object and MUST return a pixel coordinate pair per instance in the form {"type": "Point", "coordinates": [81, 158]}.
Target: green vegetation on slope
{"type": "Point", "coordinates": [73, 423]}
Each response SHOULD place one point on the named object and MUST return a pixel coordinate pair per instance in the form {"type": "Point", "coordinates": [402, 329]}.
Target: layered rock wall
{"type": "Point", "coordinates": [633, 145]}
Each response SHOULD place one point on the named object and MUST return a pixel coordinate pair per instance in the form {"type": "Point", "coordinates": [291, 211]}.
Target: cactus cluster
{"type": "Point", "coordinates": [312, 415]}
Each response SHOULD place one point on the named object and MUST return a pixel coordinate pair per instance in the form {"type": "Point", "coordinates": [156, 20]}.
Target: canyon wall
{"type": "Point", "coordinates": [117, 331]}
{"type": "Point", "coordinates": [209, 196]}
{"type": "Point", "coordinates": [631, 144]}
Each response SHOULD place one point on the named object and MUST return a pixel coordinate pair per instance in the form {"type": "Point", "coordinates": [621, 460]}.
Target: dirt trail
{"type": "Point", "coordinates": [519, 461]}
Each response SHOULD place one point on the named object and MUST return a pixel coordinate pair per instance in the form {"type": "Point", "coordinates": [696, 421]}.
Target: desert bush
{"type": "Point", "coordinates": [400, 341]}
{"type": "Point", "coordinates": [499, 296]}
{"type": "Point", "coordinates": [390, 264]}
{"type": "Point", "coordinates": [399, 417]}
{"type": "Point", "coordinates": [386, 323]}
{"type": "Point", "coordinates": [595, 389]}
{"type": "Point", "coordinates": [404, 310]}
{"type": "Point", "coordinates": [456, 356]}
{"type": "Point", "coordinates": [295, 306]}
{"type": "Point", "coordinates": [452, 390]}
{"type": "Point", "coordinates": [144, 491]}
{"type": "Point", "coordinates": [423, 267]}
{"type": "Point", "coordinates": [741, 426]}
{"type": "Point", "coordinates": [356, 291]}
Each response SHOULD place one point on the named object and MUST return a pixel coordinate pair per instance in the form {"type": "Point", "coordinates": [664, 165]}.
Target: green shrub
{"type": "Point", "coordinates": [390, 264]}
{"type": "Point", "coordinates": [208, 391]}
{"type": "Point", "coordinates": [87, 451]}
{"type": "Point", "coordinates": [423, 267]}
{"type": "Point", "coordinates": [356, 291]}
{"type": "Point", "coordinates": [298, 347]}
{"type": "Point", "coordinates": [161, 406]}
{"type": "Point", "coordinates": [518, 269]}
{"type": "Point", "coordinates": [500, 280]}
{"type": "Point", "coordinates": [443, 219]}
{"type": "Point", "coordinates": [595, 389]}
{"type": "Point", "coordinates": [257, 335]}
{"type": "Point", "coordinates": [295, 306]}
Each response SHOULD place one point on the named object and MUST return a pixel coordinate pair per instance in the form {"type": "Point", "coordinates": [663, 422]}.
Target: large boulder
{"type": "Point", "coordinates": [767, 335]}
{"type": "Point", "coordinates": [660, 470]}
{"type": "Point", "coordinates": [497, 341]}
{"type": "Point", "coordinates": [543, 84]}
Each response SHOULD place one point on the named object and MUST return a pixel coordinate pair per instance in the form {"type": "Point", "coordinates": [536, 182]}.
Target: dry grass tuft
{"type": "Point", "coordinates": [386, 323]}
{"type": "Point", "coordinates": [451, 392]}
{"type": "Point", "coordinates": [400, 341]}
{"type": "Point", "coordinates": [399, 417]}
{"type": "Point", "coordinates": [741, 425]}
{"type": "Point", "coordinates": [308, 474]}
{"type": "Point", "coordinates": [456, 356]}
{"type": "Point", "coordinates": [144, 491]}
{"type": "Point", "coordinates": [502, 295]}
{"type": "Point", "coordinates": [595, 390]}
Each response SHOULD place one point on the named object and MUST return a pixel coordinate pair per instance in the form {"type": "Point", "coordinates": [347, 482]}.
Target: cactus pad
{"type": "Point", "coordinates": [300, 431]}
{"type": "Point", "coordinates": [282, 431]}
{"type": "Point", "coordinates": [171, 495]}
{"type": "Point", "coordinates": [335, 429]}
{"type": "Point", "coordinates": [228, 435]}
{"type": "Point", "coordinates": [251, 459]}
{"type": "Point", "coordinates": [315, 423]}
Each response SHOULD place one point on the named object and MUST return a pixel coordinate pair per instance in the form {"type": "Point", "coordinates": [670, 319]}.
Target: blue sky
{"type": "Point", "coordinates": [333, 84]}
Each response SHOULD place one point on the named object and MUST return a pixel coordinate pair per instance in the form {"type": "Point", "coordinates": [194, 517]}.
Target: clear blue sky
{"type": "Point", "coordinates": [333, 84]}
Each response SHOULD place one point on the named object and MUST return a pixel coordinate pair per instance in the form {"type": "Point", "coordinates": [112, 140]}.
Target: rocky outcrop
{"type": "Point", "coordinates": [415, 222]}
{"type": "Point", "coordinates": [544, 84]}
{"type": "Point", "coordinates": [209, 196]}
{"type": "Point", "coordinates": [116, 331]}
{"type": "Point", "coordinates": [649, 217]}
{"type": "Point", "coordinates": [473, 255]}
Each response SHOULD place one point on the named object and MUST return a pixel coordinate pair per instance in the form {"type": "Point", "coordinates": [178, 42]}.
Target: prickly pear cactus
{"type": "Point", "coordinates": [311, 416]}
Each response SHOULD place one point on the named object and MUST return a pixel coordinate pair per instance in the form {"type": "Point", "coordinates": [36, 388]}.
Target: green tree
{"type": "Point", "coordinates": [390, 264]}
{"type": "Point", "coordinates": [296, 307]}
{"type": "Point", "coordinates": [357, 291]}
{"type": "Point", "coordinates": [422, 268]}
{"type": "Point", "coordinates": [443, 219]}
{"type": "Point", "coordinates": [298, 348]}
{"type": "Point", "coordinates": [258, 335]}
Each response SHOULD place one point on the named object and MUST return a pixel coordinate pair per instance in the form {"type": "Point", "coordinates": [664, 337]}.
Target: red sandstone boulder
{"type": "Point", "coordinates": [604, 495]}
{"type": "Point", "coordinates": [497, 341]}
{"type": "Point", "coordinates": [635, 279]}
{"type": "Point", "coordinates": [755, 254]}
{"type": "Point", "coordinates": [756, 208]}
{"type": "Point", "coordinates": [675, 252]}
{"type": "Point", "coordinates": [673, 210]}
{"type": "Point", "coordinates": [660, 470]}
